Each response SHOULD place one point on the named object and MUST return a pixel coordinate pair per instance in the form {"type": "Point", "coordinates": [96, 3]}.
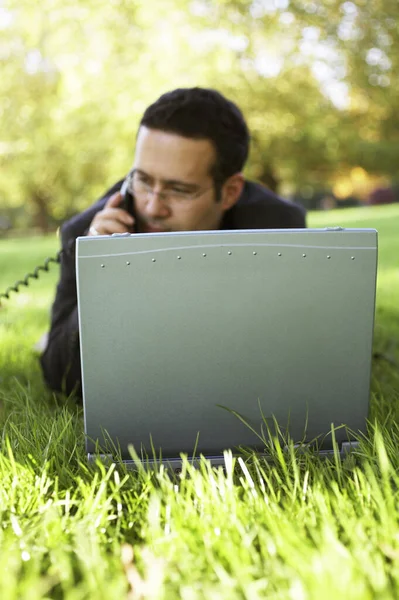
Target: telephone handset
{"type": "Point", "coordinates": [127, 202]}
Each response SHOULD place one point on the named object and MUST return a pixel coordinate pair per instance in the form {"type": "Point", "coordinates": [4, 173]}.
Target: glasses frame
{"type": "Point", "coordinates": [166, 196]}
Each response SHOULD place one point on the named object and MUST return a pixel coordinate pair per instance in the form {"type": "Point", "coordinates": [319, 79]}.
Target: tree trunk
{"type": "Point", "coordinates": [41, 216]}
{"type": "Point", "coordinates": [269, 179]}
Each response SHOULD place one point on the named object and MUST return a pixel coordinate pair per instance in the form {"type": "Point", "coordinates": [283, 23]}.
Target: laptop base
{"type": "Point", "coordinates": [176, 464]}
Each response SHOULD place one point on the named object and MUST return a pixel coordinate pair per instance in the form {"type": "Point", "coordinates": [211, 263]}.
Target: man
{"type": "Point", "coordinates": [191, 148]}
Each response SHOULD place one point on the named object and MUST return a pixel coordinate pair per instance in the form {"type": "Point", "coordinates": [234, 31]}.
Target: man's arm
{"type": "Point", "coordinates": [61, 359]}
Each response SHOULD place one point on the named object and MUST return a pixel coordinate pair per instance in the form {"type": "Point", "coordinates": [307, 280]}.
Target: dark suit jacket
{"type": "Point", "coordinates": [257, 208]}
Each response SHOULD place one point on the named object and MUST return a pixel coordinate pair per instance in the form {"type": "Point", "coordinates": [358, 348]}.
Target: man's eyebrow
{"type": "Point", "coordinates": [192, 186]}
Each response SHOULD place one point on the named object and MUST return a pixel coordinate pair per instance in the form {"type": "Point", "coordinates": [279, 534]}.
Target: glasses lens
{"type": "Point", "coordinates": [138, 185]}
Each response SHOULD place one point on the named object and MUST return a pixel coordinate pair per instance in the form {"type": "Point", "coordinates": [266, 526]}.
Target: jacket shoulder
{"type": "Point", "coordinates": [260, 208]}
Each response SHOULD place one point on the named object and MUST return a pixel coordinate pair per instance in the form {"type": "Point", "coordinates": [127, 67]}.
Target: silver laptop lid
{"type": "Point", "coordinates": [174, 326]}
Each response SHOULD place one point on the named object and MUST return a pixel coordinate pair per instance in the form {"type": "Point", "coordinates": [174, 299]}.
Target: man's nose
{"type": "Point", "coordinates": [156, 206]}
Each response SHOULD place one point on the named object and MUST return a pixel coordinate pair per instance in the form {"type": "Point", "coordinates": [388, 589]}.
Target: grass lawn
{"type": "Point", "coordinates": [296, 529]}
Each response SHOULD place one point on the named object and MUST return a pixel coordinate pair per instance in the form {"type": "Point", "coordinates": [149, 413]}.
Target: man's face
{"type": "Point", "coordinates": [167, 162]}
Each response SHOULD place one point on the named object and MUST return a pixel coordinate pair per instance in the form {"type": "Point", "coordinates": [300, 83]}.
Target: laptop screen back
{"type": "Point", "coordinates": [180, 331]}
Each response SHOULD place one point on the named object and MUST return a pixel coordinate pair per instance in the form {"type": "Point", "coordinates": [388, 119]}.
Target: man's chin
{"type": "Point", "coordinates": [145, 228]}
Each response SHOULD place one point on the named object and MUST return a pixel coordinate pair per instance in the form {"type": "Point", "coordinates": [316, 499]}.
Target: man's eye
{"type": "Point", "coordinates": [180, 191]}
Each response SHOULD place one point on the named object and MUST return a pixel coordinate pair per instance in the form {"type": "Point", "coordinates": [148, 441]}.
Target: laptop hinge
{"type": "Point", "coordinates": [348, 447]}
{"type": "Point", "coordinates": [345, 448]}
{"type": "Point", "coordinates": [104, 458]}
{"type": "Point", "coordinates": [170, 464]}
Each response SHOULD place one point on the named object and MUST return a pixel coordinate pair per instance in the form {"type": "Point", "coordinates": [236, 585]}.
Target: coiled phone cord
{"type": "Point", "coordinates": [35, 273]}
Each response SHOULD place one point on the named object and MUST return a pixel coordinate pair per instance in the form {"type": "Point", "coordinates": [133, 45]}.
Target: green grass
{"type": "Point", "coordinates": [297, 528]}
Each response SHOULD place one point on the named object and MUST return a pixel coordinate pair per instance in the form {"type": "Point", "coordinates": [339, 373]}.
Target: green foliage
{"type": "Point", "coordinates": [76, 79]}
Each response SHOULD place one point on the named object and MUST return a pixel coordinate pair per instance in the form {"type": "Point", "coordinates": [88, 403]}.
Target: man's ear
{"type": "Point", "coordinates": [231, 190]}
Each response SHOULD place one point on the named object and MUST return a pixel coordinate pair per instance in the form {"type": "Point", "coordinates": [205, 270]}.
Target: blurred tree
{"type": "Point", "coordinates": [56, 106]}
{"type": "Point", "coordinates": [365, 35]}
{"type": "Point", "coordinates": [312, 79]}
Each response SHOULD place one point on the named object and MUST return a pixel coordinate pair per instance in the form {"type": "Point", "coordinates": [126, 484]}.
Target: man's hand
{"type": "Point", "coordinates": [112, 219]}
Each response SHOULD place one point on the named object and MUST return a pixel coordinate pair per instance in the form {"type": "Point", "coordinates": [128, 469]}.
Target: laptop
{"type": "Point", "coordinates": [194, 342]}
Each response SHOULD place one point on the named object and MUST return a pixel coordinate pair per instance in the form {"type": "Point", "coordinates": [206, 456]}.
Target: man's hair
{"type": "Point", "coordinates": [201, 113]}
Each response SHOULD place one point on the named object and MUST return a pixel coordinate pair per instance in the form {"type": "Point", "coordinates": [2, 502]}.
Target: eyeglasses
{"type": "Point", "coordinates": [139, 185]}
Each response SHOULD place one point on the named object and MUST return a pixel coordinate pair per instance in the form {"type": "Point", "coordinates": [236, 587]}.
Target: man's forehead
{"type": "Point", "coordinates": [167, 155]}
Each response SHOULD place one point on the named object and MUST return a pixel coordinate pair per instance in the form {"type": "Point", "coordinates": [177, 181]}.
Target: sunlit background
{"type": "Point", "coordinates": [317, 82]}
